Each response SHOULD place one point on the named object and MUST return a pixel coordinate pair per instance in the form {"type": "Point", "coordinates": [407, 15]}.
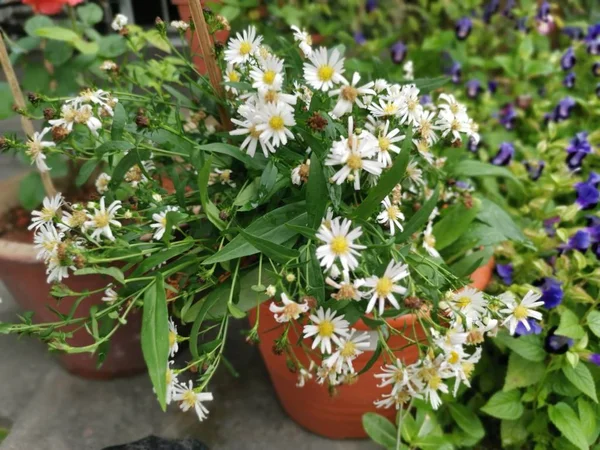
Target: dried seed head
{"type": "Point", "coordinates": [59, 133]}
{"type": "Point", "coordinates": [317, 122]}
{"type": "Point", "coordinates": [49, 113]}
{"type": "Point", "coordinates": [413, 302]}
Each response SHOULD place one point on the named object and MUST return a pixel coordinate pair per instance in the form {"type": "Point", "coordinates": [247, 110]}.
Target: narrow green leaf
{"type": "Point", "coordinates": [316, 283]}
{"type": "Point", "coordinates": [504, 405]}
{"type": "Point", "coordinates": [162, 256]}
{"type": "Point", "coordinates": [135, 156]}
{"type": "Point", "coordinates": [472, 168]}
{"type": "Point", "coordinates": [274, 251]}
{"type": "Point", "coordinates": [387, 181]}
{"type": "Point", "coordinates": [206, 305]}
{"type": "Point", "coordinates": [373, 359]}
{"type": "Point", "coordinates": [419, 218]}
{"type": "Point", "coordinates": [581, 377]}
{"type": "Point", "coordinates": [57, 33]}
{"type": "Point", "coordinates": [235, 311]}
{"type": "Point", "coordinates": [380, 429]}
{"type": "Point", "coordinates": [316, 200]}
{"type": "Point", "coordinates": [493, 215]}
{"type": "Point", "coordinates": [155, 337]}
{"type": "Point", "coordinates": [209, 208]}
{"type": "Point", "coordinates": [113, 272]}
{"type": "Point", "coordinates": [234, 152]}
{"type": "Point", "coordinates": [454, 223]}
{"type": "Point", "coordinates": [118, 124]}
{"type": "Point", "coordinates": [85, 171]}
{"type": "Point", "coordinates": [564, 418]}
{"type": "Point", "coordinates": [113, 147]}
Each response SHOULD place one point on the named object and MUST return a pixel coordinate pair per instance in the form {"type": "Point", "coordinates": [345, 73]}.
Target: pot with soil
{"type": "Point", "coordinates": [25, 277]}
{"type": "Point", "coordinates": [338, 415]}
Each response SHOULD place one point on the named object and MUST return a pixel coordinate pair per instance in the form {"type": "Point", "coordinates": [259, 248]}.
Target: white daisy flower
{"type": "Point", "coordinates": [171, 382]}
{"type": "Point", "coordinates": [67, 118]}
{"type": "Point", "coordinates": [385, 108]}
{"type": "Point", "coordinates": [119, 22]}
{"type": "Point", "coordinates": [271, 290]}
{"type": "Point", "coordinates": [468, 302]}
{"type": "Point", "coordinates": [161, 222]}
{"type": "Point", "coordinates": [429, 241]}
{"type": "Point", "coordinates": [191, 399]}
{"type": "Point", "coordinates": [432, 376]}
{"type": "Point", "coordinates": [173, 344]}
{"type": "Point", "coordinates": [326, 327]}
{"type": "Point", "coordinates": [450, 104]}
{"type": "Point", "coordinates": [249, 127]}
{"type": "Point", "coordinates": [300, 173]}
{"type": "Point", "coordinates": [415, 175]}
{"type": "Point", "coordinates": [380, 85]}
{"type": "Point", "coordinates": [410, 105]}
{"type": "Point", "coordinates": [58, 269]}
{"type": "Point", "coordinates": [35, 149]}
{"type": "Point", "coordinates": [461, 364]}
{"type": "Point", "coordinates": [347, 290]}
{"type": "Point", "coordinates": [98, 97]}
{"type": "Point", "coordinates": [275, 120]}
{"type": "Point", "coordinates": [108, 66]}
{"type": "Point", "coordinates": [305, 374]}
{"type": "Point", "coordinates": [383, 288]}
{"type": "Point", "coordinates": [102, 183]}
{"type": "Point", "coordinates": [46, 239]}
{"type": "Point", "coordinates": [520, 312]}
{"type": "Point", "coordinates": [348, 349]}
{"type": "Point", "coordinates": [48, 213]}
{"type": "Point", "coordinates": [110, 295]}
{"type": "Point", "coordinates": [339, 244]}
{"type": "Point", "coordinates": [391, 216]}
{"type": "Point", "coordinates": [304, 39]}
{"type": "Point", "coordinates": [324, 70]}
{"type": "Point", "coordinates": [426, 128]}
{"type": "Point", "coordinates": [386, 144]}
{"type": "Point", "coordinates": [102, 218]}
{"type": "Point", "coordinates": [243, 46]}
{"type": "Point", "coordinates": [180, 25]}
{"type": "Point", "coordinates": [233, 76]}
{"type": "Point", "coordinates": [85, 116]}
{"type": "Point", "coordinates": [269, 76]}
{"type": "Point", "coordinates": [409, 70]}
{"type": "Point", "coordinates": [349, 94]}
{"type": "Point", "coordinates": [455, 124]}
{"type": "Point", "coordinates": [289, 311]}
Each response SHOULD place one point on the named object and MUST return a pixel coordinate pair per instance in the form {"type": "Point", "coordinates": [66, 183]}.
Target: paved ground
{"type": "Point", "coordinates": [44, 407]}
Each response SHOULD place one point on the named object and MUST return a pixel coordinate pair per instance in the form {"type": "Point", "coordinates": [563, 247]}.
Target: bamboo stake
{"type": "Point", "coordinates": [208, 54]}
{"type": "Point", "coordinates": [26, 123]}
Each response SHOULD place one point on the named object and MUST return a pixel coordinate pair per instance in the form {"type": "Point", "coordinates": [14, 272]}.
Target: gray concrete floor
{"type": "Point", "coordinates": [47, 408]}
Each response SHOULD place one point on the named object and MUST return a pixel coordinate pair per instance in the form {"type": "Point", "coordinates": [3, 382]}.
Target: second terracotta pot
{"type": "Point", "coordinates": [312, 406]}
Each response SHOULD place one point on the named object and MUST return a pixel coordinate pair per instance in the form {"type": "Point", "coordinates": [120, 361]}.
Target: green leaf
{"type": "Point", "coordinates": [581, 377]}
{"type": "Point", "coordinates": [155, 337]}
{"type": "Point", "coordinates": [316, 200]}
{"type": "Point", "coordinates": [274, 251]}
{"type": "Point", "coordinates": [569, 325]}
{"type": "Point", "coordinates": [113, 272]}
{"type": "Point", "coordinates": [493, 215]}
{"type": "Point", "coordinates": [157, 40]}
{"type": "Point", "coordinates": [388, 180]}
{"type": "Point", "coordinates": [426, 85]}
{"type": "Point", "coordinates": [31, 191]}
{"type": "Point", "coordinates": [6, 101]}
{"type": "Point", "coordinates": [270, 226]}
{"type": "Point", "coordinates": [118, 124]}
{"type": "Point", "coordinates": [162, 256]}
{"type": "Point", "coordinates": [57, 33]}
{"type": "Point", "coordinates": [36, 22]}
{"type": "Point", "coordinates": [235, 311]}
{"type": "Point", "coordinates": [380, 429]}
{"type": "Point", "coordinates": [472, 168]}
{"type": "Point", "coordinates": [587, 417]}
{"type": "Point", "coordinates": [234, 152]}
{"type": "Point", "coordinates": [316, 284]}
{"type": "Point", "coordinates": [522, 372]}
{"type": "Point", "coordinates": [529, 347]}
{"type": "Point", "coordinates": [111, 46]}
{"type": "Point", "coordinates": [467, 265]}
{"type": "Point", "coordinates": [513, 432]}
{"type": "Point", "coordinates": [564, 418]}
{"type": "Point", "coordinates": [467, 420]}
{"type": "Point", "coordinates": [85, 171]}
{"type": "Point", "coordinates": [85, 47]}
{"type": "Point", "coordinates": [372, 360]}
{"type": "Point", "coordinates": [504, 405]}
{"type": "Point", "coordinates": [115, 147]}
{"type": "Point", "coordinates": [267, 181]}
{"type": "Point", "coordinates": [206, 305]}
{"type": "Point", "coordinates": [57, 52]}
{"type": "Point", "coordinates": [209, 208]}
{"type": "Point", "coordinates": [593, 322]}
{"type": "Point", "coordinates": [419, 218]}
{"type": "Point", "coordinates": [454, 222]}
{"type": "Point", "coordinates": [132, 158]}
{"type": "Point", "coordinates": [90, 13]}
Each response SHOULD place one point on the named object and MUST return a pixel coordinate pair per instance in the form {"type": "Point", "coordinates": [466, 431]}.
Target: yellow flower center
{"type": "Point", "coordinates": [169, 376]}
{"type": "Point", "coordinates": [189, 399]}
{"type": "Point", "coordinates": [346, 291]}
{"type": "Point", "coordinates": [245, 48]}
{"type": "Point", "coordinates": [384, 144]}
{"type": "Point", "coordinates": [393, 212]}
{"type": "Point", "coordinates": [435, 382]}
{"type": "Point", "coordinates": [463, 301]}
{"type": "Point", "coordinates": [384, 286]}
{"type": "Point", "coordinates": [390, 108]}
{"type": "Point", "coordinates": [339, 245]}
{"type": "Point", "coordinates": [69, 115]}
{"type": "Point", "coordinates": [520, 312]}
{"type": "Point", "coordinates": [348, 350]}
{"type": "Point", "coordinates": [475, 337]}
{"type": "Point", "coordinates": [269, 77]}
{"type": "Point", "coordinates": [291, 311]}
{"type": "Point", "coordinates": [233, 76]}
{"type": "Point", "coordinates": [326, 328]}
{"type": "Point", "coordinates": [467, 368]}
{"type": "Point", "coordinates": [254, 132]}
{"type": "Point", "coordinates": [454, 357]}
{"type": "Point", "coordinates": [271, 96]}
{"type": "Point", "coordinates": [354, 162]}
{"type": "Point", "coordinates": [411, 104]}
{"type": "Point", "coordinates": [47, 214]}
{"type": "Point", "coordinates": [325, 72]}
{"type": "Point", "coordinates": [276, 123]}
{"type": "Point", "coordinates": [172, 338]}
{"type": "Point", "coordinates": [101, 219]}
{"type": "Point", "coordinates": [349, 93]}
{"type": "Point", "coordinates": [83, 115]}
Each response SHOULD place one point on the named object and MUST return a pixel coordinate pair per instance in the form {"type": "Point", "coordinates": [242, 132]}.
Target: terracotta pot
{"type": "Point", "coordinates": [25, 278]}
{"type": "Point", "coordinates": [340, 416]}
{"type": "Point", "coordinates": [184, 13]}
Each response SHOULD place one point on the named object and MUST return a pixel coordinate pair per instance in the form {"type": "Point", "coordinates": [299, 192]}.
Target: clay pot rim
{"type": "Point", "coordinates": [481, 277]}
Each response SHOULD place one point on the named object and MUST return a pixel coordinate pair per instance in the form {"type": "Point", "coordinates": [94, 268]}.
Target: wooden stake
{"type": "Point", "coordinates": [208, 54]}
{"type": "Point", "coordinates": [26, 123]}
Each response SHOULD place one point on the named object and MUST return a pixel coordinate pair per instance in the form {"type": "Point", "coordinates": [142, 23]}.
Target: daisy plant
{"type": "Point", "coordinates": [330, 194]}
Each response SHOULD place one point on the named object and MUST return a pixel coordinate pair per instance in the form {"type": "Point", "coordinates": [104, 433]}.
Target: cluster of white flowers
{"type": "Point", "coordinates": [85, 109]}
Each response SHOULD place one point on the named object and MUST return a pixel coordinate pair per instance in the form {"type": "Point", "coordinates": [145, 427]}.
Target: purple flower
{"type": "Point", "coordinates": [505, 153]}
{"type": "Point", "coordinates": [580, 241]}
{"type": "Point", "coordinates": [577, 150]}
{"type": "Point", "coordinates": [455, 72]}
{"type": "Point", "coordinates": [552, 293]}
{"type": "Point", "coordinates": [563, 109]}
{"type": "Point", "coordinates": [508, 116]}
{"type": "Point", "coordinates": [473, 88]}
{"type": "Point", "coordinates": [359, 38]}
{"type": "Point", "coordinates": [473, 144]}
{"type": "Point", "coordinates": [557, 344]}
{"type": "Point", "coordinates": [587, 195]}
{"type": "Point", "coordinates": [508, 7]}
{"type": "Point", "coordinates": [534, 328]}
{"type": "Point", "coordinates": [426, 100]}
{"type": "Point", "coordinates": [549, 225]}
{"type": "Point", "coordinates": [574, 33]}
{"type": "Point", "coordinates": [371, 5]}
{"type": "Point", "coordinates": [594, 179]}
{"type": "Point", "coordinates": [490, 9]}
{"type": "Point", "coordinates": [596, 69]}
{"type": "Point", "coordinates": [594, 358]}
{"type": "Point", "coordinates": [568, 60]}
{"type": "Point", "coordinates": [592, 39]}
{"type": "Point", "coordinates": [398, 52]}
{"type": "Point", "coordinates": [543, 12]}
{"type": "Point", "coordinates": [569, 80]}
{"type": "Point", "coordinates": [505, 272]}
{"type": "Point", "coordinates": [521, 25]}
{"type": "Point", "coordinates": [463, 28]}
{"type": "Point", "coordinates": [492, 86]}
{"type": "Point", "coordinates": [535, 168]}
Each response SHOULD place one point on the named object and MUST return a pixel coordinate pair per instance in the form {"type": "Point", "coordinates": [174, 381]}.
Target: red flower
{"type": "Point", "coordinates": [50, 7]}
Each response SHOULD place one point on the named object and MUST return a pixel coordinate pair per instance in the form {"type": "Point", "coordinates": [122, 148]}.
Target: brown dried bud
{"type": "Point", "coordinates": [317, 122]}
{"type": "Point", "coordinates": [3, 143]}
{"type": "Point", "coordinates": [158, 21]}
{"type": "Point", "coordinates": [311, 301]}
{"type": "Point", "coordinates": [49, 113]}
{"type": "Point", "coordinates": [457, 143]}
{"type": "Point", "coordinates": [277, 350]}
{"type": "Point", "coordinates": [413, 302]}
{"type": "Point", "coordinates": [59, 133]}
{"type": "Point", "coordinates": [451, 181]}
{"type": "Point", "coordinates": [124, 31]}
{"type": "Point", "coordinates": [33, 98]}
{"type": "Point", "coordinates": [142, 121]}
{"type": "Point", "coordinates": [416, 206]}
{"type": "Point", "coordinates": [79, 261]}
{"type": "Point", "coordinates": [291, 365]}
{"type": "Point", "coordinates": [524, 101]}
{"type": "Point", "coordinates": [468, 200]}
{"type": "Point", "coordinates": [223, 215]}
